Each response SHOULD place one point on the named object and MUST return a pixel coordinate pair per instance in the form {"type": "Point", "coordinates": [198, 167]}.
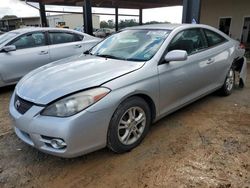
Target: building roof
{"type": "Point", "coordinates": [19, 18]}
{"type": "Point", "coordinates": [132, 4]}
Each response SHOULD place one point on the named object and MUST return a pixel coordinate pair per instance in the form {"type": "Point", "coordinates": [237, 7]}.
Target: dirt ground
{"type": "Point", "coordinates": [206, 144]}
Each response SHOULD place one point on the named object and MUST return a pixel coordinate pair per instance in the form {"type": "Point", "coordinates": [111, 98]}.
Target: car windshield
{"type": "Point", "coordinates": [131, 45]}
{"type": "Point", "coordinates": [6, 36]}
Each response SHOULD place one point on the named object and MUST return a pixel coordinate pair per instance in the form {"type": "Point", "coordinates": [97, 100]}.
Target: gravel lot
{"type": "Point", "coordinates": [206, 144]}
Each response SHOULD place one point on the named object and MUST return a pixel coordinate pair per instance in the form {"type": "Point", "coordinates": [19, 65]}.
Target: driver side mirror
{"type": "Point", "coordinates": [176, 55]}
{"type": "Point", "coordinates": [9, 48]}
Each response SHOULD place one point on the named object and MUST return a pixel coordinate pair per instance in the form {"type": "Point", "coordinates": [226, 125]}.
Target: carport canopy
{"type": "Point", "coordinates": [191, 8]}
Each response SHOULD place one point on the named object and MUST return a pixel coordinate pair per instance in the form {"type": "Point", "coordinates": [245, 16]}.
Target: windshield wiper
{"type": "Point", "coordinates": [135, 59]}
{"type": "Point", "coordinates": [87, 52]}
{"type": "Point", "coordinates": [107, 56]}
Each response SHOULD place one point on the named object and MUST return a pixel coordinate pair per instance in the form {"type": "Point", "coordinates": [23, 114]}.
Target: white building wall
{"type": "Point", "coordinates": [72, 20]}
{"type": "Point", "coordinates": [31, 21]}
{"type": "Point", "coordinates": [212, 10]}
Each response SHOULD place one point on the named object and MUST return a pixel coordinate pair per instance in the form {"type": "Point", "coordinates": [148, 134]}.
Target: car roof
{"type": "Point", "coordinates": [158, 26]}
{"type": "Point", "coordinates": [32, 29]}
{"type": "Point", "coordinates": [169, 26]}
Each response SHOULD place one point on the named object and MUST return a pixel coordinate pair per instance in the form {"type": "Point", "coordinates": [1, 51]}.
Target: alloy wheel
{"type": "Point", "coordinates": [131, 125]}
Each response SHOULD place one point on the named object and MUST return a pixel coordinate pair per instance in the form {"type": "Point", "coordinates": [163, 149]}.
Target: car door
{"type": "Point", "coordinates": [219, 54]}
{"type": "Point", "coordinates": [64, 44]}
{"type": "Point", "coordinates": [31, 52]}
{"type": "Point", "coordinates": [183, 81]}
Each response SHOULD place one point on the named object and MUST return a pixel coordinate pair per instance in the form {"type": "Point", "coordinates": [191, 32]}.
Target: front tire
{"type": "Point", "coordinates": [228, 85]}
{"type": "Point", "coordinates": [129, 125]}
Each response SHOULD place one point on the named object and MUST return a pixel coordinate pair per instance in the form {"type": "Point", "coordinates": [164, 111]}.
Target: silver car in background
{"type": "Point", "coordinates": [111, 94]}
{"type": "Point", "coordinates": [103, 32]}
{"type": "Point", "coordinates": [26, 49]}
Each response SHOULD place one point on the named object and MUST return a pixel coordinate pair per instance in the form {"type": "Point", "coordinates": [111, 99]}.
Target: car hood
{"type": "Point", "coordinates": [70, 75]}
{"type": "Point", "coordinates": [2, 45]}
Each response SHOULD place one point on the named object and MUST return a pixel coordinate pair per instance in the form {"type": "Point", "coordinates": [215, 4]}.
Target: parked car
{"type": "Point", "coordinates": [110, 95]}
{"type": "Point", "coordinates": [26, 49]}
{"type": "Point", "coordinates": [103, 32]}
{"type": "Point", "coordinates": [79, 28]}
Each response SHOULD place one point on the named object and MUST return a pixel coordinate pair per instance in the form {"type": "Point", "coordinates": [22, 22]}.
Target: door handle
{"type": "Point", "coordinates": [210, 61]}
{"type": "Point", "coordinates": [43, 52]}
{"type": "Point", "coordinates": [78, 46]}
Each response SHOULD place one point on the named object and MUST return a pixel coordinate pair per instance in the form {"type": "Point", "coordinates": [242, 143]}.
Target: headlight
{"type": "Point", "coordinates": [75, 103]}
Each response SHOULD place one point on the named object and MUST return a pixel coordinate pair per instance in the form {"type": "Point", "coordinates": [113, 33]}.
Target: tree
{"type": "Point", "coordinates": [124, 23]}
{"type": "Point", "coordinates": [103, 24]}
{"type": "Point", "coordinates": [155, 22]}
{"type": "Point", "coordinates": [127, 23]}
{"type": "Point", "coordinates": [111, 24]}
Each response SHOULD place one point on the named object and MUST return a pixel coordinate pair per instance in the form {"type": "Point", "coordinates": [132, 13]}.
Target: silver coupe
{"type": "Point", "coordinates": [111, 94]}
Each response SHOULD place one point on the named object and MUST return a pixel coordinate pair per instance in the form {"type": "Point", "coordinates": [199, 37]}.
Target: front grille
{"type": "Point", "coordinates": [21, 105]}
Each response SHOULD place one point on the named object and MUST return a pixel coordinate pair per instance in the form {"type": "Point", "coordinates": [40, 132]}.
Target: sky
{"type": "Point", "coordinates": [20, 9]}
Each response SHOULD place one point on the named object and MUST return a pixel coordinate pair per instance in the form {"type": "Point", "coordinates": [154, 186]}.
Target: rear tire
{"type": "Point", "coordinates": [129, 125]}
{"type": "Point", "coordinates": [228, 85]}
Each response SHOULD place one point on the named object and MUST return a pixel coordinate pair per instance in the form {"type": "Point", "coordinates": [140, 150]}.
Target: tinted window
{"type": "Point", "coordinates": [60, 37]}
{"type": "Point", "coordinates": [79, 37]}
{"type": "Point", "coordinates": [191, 40]}
{"type": "Point", "coordinates": [30, 41]}
{"type": "Point", "coordinates": [214, 38]}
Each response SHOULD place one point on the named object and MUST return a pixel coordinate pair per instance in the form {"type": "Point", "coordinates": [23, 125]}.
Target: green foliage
{"type": "Point", "coordinates": [127, 23]}
{"type": "Point", "coordinates": [109, 24]}
{"type": "Point", "coordinates": [124, 23]}
{"type": "Point", "coordinates": [155, 22]}
{"type": "Point", "coordinates": [103, 24]}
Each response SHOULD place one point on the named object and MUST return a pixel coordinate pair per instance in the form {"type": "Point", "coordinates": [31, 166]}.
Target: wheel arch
{"type": "Point", "coordinates": [110, 132]}
{"type": "Point", "coordinates": [151, 104]}
{"type": "Point", "coordinates": [147, 99]}
{"type": "Point", "coordinates": [237, 64]}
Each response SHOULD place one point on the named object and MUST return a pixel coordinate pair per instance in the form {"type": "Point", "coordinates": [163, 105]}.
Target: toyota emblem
{"type": "Point", "coordinates": [17, 104]}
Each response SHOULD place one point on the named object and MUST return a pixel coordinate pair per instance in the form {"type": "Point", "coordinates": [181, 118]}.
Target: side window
{"type": "Point", "coordinates": [30, 41]}
{"type": "Point", "coordinates": [61, 37]}
{"type": "Point", "coordinates": [79, 37]}
{"type": "Point", "coordinates": [213, 38]}
{"type": "Point", "coordinates": [191, 40]}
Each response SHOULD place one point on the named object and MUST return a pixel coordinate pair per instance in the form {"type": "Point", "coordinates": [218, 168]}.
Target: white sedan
{"type": "Point", "coordinates": [26, 49]}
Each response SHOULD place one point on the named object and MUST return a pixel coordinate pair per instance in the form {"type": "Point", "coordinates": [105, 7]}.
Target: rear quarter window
{"type": "Point", "coordinates": [214, 38]}
{"type": "Point", "coordinates": [79, 37]}
{"type": "Point", "coordinates": [61, 37]}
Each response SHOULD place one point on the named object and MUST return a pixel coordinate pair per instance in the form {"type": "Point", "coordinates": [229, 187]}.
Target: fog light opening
{"type": "Point", "coordinates": [58, 143]}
